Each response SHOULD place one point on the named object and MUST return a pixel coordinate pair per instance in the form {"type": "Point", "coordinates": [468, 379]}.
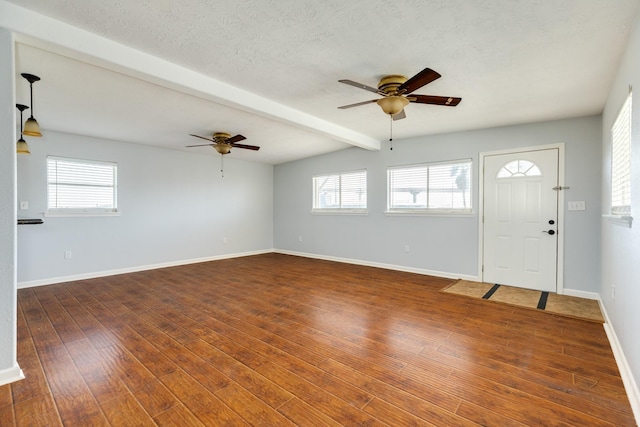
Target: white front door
{"type": "Point", "coordinates": [521, 219]}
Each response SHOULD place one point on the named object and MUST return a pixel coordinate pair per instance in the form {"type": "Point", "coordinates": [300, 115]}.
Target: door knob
{"type": "Point", "coordinates": [550, 232]}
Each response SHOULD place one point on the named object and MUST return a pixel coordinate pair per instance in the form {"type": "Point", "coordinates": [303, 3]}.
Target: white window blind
{"type": "Point", "coordinates": [345, 191]}
{"type": "Point", "coordinates": [81, 186]}
{"type": "Point", "coordinates": [621, 161]}
{"type": "Point", "coordinates": [430, 188]}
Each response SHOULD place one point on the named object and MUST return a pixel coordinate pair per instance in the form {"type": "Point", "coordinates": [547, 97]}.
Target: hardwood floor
{"type": "Point", "coordinates": [277, 340]}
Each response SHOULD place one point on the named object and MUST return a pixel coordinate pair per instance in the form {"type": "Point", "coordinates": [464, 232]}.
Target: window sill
{"type": "Point", "coordinates": [624, 220]}
{"type": "Point", "coordinates": [449, 214]}
{"type": "Point", "coordinates": [339, 212]}
{"type": "Point", "coordinates": [79, 214]}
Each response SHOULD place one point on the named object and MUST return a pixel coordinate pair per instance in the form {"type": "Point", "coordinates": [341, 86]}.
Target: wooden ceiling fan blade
{"type": "Point", "coordinates": [401, 115]}
{"type": "Point", "coordinates": [248, 147]}
{"type": "Point", "coordinates": [424, 77]}
{"type": "Point", "coordinates": [202, 137]}
{"type": "Point", "coordinates": [235, 139]}
{"type": "Point", "coordinates": [358, 104]}
{"type": "Point", "coordinates": [448, 101]}
{"type": "Point", "coordinates": [360, 85]}
{"type": "Point", "coordinates": [199, 145]}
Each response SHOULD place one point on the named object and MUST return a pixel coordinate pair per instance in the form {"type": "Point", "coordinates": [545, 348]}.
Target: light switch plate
{"type": "Point", "coordinates": [577, 206]}
{"type": "Point", "coordinates": [24, 204]}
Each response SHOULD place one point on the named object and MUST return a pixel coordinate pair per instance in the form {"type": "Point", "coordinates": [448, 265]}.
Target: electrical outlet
{"type": "Point", "coordinates": [68, 254]}
{"type": "Point", "coordinates": [224, 240]}
{"type": "Point", "coordinates": [406, 249]}
{"type": "Point", "coordinates": [299, 238]}
{"type": "Point", "coordinates": [24, 205]}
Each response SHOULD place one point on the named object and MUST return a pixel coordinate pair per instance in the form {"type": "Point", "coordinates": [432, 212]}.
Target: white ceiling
{"type": "Point", "coordinates": [270, 69]}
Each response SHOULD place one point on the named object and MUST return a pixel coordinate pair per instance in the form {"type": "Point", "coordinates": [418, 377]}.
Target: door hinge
{"type": "Point", "coordinates": [560, 188]}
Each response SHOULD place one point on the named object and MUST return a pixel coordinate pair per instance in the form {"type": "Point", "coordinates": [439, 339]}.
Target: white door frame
{"type": "Point", "coordinates": [560, 254]}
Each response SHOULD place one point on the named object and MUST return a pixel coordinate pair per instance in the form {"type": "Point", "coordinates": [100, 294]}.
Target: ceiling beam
{"type": "Point", "coordinates": [55, 36]}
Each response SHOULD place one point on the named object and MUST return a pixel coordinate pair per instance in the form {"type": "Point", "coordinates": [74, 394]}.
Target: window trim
{"type": "Point", "coordinates": [434, 212]}
{"type": "Point", "coordinates": [339, 211]}
{"type": "Point", "coordinates": [83, 212]}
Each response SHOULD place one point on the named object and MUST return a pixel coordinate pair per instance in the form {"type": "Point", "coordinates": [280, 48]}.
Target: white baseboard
{"type": "Point", "coordinates": [581, 294]}
{"type": "Point", "coordinates": [96, 274]}
{"type": "Point", "coordinates": [630, 385]}
{"type": "Point", "coordinates": [93, 275]}
{"type": "Point", "coordinates": [11, 375]}
{"type": "Point", "coordinates": [406, 269]}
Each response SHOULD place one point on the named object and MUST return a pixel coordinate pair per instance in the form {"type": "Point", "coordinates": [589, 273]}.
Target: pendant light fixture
{"type": "Point", "coordinates": [31, 126]}
{"type": "Point", "coordinates": [21, 146]}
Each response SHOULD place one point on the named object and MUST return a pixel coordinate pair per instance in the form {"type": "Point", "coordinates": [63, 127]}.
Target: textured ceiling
{"type": "Point", "coordinates": [511, 61]}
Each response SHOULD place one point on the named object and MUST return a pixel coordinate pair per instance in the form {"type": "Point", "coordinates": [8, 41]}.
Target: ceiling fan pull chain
{"type": "Point", "coordinates": [391, 131]}
{"type": "Point", "coordinates": [222, 165]}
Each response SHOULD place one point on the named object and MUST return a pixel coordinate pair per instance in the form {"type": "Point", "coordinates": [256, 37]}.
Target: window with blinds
{"type": "Point", "coordinates": [621, 162]}
{"type": "Point", "coordinates": [430, 188]}
{"type": "Point", "coordinates": [81, 186]}
{"type": "Point", "coordinates": [343, 192]}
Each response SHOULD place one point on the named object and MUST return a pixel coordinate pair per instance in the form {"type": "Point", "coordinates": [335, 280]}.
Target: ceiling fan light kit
{"type": "Point", "coordinates": [392, 105]}
{"type": "Point", "coordinates": [222, 148]}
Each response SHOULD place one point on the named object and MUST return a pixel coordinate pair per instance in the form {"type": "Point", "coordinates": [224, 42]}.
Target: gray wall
{"type": "Point", "coordinates": [440, 244]}
{"type": "Point", "coordinates": [174, 205]}
{"type": "Point", "coordinates": [621, 244]}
